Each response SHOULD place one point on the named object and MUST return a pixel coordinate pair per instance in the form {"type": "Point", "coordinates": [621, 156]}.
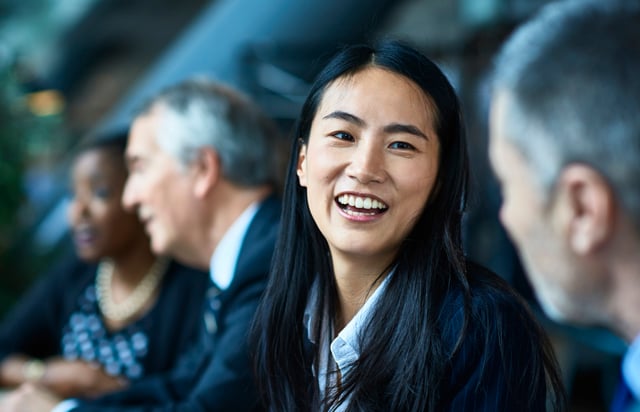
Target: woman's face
{"type": "Point", "coordinates": [370, 163]}
{"type": "Point", "coordinates": [101, 227]}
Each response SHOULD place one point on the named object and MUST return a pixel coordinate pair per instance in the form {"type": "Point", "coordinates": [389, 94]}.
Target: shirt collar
{"type": "Point", "coordinates": [223, 262]}
{"type": "Point", "coordinates": [345, 348]}
{"type": "Point", "coordinates": [631, 367]}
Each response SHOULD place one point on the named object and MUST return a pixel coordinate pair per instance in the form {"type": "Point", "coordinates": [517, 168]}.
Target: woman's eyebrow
{"type": "Point", "coordinates": [348, 117]}
{"type": "Point", "coordinates": [404, 128]}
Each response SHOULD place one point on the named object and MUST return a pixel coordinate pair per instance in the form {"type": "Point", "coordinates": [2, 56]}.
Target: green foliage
{"type": "Point", "coordinates": [29, 137]}
{"type": "Point", "coordinates": [14, 122]}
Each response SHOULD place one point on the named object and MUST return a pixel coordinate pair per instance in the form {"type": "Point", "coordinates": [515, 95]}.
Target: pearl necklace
{"type": "Point", "coordinates": [134, 302]}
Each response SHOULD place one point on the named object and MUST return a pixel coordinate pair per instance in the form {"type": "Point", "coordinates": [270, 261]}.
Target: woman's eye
{"type": "Point", "coordinates": [401, 146]}
{"type": "Point", "coordinates": [343, 136]}
{"type": "Point", "coordinates": [102, 192]}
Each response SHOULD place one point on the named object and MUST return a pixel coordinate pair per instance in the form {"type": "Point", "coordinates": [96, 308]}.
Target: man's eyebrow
{"type": "Point", "coordinates": [348, 117]}
{"type": "Point", "coordinates": [405, 128]}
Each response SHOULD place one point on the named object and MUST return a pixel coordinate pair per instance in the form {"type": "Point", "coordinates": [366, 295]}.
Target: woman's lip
{"type": "Point", "coordinates": [361, 217]}
{"type": "Point", "coordinates": [84, 237]}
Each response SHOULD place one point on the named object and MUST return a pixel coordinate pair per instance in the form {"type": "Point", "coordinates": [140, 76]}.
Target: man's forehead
{"type": "Point", "coordinates": [142, 134]}
{"type": "Point", "coordinates": [499, 112]}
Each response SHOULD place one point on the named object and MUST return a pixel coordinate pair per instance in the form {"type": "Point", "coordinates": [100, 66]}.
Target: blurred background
{"type": "Point", "coordinates": [73, 68]}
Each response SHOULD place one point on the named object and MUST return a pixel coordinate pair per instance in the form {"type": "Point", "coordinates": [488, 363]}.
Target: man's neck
{"type": "Point", "coordinates": [226, 206]}
{"type": "Point", "coordinates": [621, 263]}
{"type": "Point", "coordinates": [625, 309]}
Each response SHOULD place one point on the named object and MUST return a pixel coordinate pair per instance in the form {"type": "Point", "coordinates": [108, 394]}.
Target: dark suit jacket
{"type": "Point", "coordinates": [216, 375]}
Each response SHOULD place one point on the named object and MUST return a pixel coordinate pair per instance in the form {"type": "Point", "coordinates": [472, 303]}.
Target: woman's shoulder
{"type": "Point", "coordinates": [69, 270]}
{"type": "Point", "coordinates": [490, 292]}
{"type": "Point", "coordinates": [490, 307]}
{"type": "Point", "coordinates": [496, 340]}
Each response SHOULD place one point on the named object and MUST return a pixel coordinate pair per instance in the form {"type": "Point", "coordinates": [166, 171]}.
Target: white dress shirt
{"type": "Point", "coordinates": [225, 258]}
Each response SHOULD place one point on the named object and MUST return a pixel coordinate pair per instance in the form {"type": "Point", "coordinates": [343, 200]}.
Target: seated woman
{"type": "Point", "coordinates": [116, 314]}
{"type": "Point", "coordinates": [371, 304]}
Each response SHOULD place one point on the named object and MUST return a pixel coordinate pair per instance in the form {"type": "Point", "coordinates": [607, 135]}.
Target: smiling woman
{"type": "Point", "coordinates": [371, 303]}
{"type": "Point", "coordinates": [373, 148]}
{"type": "Point", "coordinates": [113, 307]}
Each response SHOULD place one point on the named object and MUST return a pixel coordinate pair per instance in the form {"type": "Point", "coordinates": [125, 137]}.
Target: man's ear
{"type": "Point", "coordinates": [592, 208]}
{"type": "Point", "coordinates": [302, 166]}
{"type": "Point", "coordinates": [207, 171]}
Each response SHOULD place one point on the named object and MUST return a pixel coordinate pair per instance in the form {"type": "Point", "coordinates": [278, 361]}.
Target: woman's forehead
{"type": "Point", "coordinates": [400, 97]}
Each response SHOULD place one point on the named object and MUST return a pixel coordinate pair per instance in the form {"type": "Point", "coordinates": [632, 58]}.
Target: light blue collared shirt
{"type": "Point", "coordinates": [345, 348]}
{"type": "Point", "coordinates": [631, 368]}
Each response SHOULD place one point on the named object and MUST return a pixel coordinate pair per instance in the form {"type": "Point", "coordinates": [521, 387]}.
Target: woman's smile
{"type": "Point", "coordinates": [360, 207]}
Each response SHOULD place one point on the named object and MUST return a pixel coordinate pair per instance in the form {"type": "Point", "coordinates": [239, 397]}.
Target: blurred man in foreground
{"type": "Point", "coordinates": [565, 144]}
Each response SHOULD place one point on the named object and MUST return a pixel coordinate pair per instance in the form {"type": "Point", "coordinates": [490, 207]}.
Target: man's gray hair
{"type": "Point", "coordinates": [201, 113]}
{"type": "Point", "coordinates": [573, 77]}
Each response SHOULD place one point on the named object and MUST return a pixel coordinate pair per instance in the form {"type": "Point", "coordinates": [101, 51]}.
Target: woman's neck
{"type": "Point", "coordinates": [129, 268]}
{"type": "Point", "coordinates": [355, 283]}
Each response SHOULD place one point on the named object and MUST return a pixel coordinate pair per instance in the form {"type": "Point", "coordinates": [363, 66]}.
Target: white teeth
{"type": "Point", "coordinates": [361, 202]}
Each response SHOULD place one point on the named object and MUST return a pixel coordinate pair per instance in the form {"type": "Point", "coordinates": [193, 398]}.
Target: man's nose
{"type": "Point", "coordinates": [129, 195]}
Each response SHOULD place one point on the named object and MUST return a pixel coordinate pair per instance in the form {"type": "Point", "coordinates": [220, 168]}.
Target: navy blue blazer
{"type": "Point", "coordinates": [217, 374]}
{"type": "Point", "coordinates": [492, 369]}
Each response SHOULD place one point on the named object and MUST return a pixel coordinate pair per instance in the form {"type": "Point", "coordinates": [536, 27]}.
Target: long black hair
{"type": "Point", "coordinates": [403, 358]}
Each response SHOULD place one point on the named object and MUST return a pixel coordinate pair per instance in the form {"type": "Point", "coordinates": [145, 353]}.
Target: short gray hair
{"type": "Point", "coordinates": [573, 77]}
{"type": "Point", "coordinates": [201, 113]}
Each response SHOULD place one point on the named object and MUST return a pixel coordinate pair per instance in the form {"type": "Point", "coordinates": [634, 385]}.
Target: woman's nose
{"type": "Point", "coordinates": [367, 164]}
{"type": "Point", "coordinates": [78, 209]}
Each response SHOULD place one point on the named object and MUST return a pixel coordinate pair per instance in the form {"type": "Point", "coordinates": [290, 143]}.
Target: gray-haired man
{"type": "Point", "coordinates": [565, 144]}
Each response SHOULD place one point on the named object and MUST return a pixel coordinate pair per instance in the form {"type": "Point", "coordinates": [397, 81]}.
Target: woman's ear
{"type": "Point", "coordinates": [207, 171]}
{"type": "Point", "coordinates": [302, 165]}
{"type": "Point", "coordinates": [592, 208]}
